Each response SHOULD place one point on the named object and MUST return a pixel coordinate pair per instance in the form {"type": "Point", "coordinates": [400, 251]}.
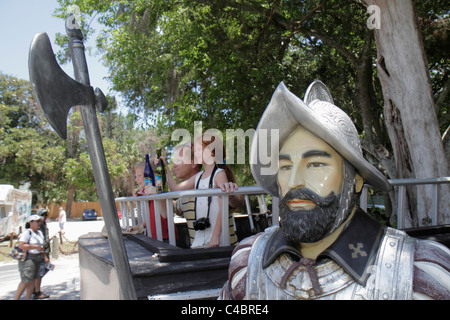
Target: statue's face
{"type": "Point", "coordinates": [308, 161]}
{"type": "Point", "coordinates": [310, 176]}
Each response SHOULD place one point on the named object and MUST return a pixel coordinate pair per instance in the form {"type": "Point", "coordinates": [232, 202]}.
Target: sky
{"type": "Point", "coordinates": [20, 20]}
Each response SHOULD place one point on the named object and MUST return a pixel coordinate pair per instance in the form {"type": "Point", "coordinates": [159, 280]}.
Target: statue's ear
{"type": "Point", "coordinates": [359, 183]}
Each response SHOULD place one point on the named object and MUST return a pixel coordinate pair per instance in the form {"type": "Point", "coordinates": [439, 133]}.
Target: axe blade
{"type": "Point", "coordinates": [55, 91]}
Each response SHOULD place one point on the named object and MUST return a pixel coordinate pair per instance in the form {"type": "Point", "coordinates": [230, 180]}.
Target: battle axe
{"type": "Point", "coordinates": [56, 93]}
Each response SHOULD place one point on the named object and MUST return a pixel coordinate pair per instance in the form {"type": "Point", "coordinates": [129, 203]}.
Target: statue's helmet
{"type": "Point", "coordinates": [318, 114]}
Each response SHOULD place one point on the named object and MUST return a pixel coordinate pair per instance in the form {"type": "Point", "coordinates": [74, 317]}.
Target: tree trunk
{"type": "Point", "coordinates": [409, 109]}
{"type": "Point", "coordinates": [70, 196]}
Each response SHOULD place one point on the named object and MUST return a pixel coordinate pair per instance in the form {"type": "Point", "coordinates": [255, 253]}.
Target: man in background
{"type": "Point", "coordinates": [62, 219]}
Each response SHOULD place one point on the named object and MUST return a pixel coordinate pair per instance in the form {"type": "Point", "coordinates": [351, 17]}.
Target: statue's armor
{"type": "Point", "coordinates": [390, 276]}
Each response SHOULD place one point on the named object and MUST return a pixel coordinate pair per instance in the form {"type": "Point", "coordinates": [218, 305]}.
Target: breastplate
{"type": "Point", "coordinates": [390, 275]}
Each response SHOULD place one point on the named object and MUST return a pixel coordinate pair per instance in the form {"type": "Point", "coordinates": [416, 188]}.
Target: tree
{"type": "Point", "coordinates": [219, 61]}
{"type": "Point", "coordinates": [121, 152]}
{"type": "Point", "coordinates": [121, 143]}
{"type": "Point", "coordinates": [29, 151]}
{"type": "Point", "coordinates": [59, 170]}
{"type": "Point", "coordinates": [409, 107]}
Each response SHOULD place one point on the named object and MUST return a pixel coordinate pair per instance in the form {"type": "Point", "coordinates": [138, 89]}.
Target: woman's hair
{"type": "Point", "coordinates": [140, 164]}
{"type": "Point", "coordinates": [210, 138]}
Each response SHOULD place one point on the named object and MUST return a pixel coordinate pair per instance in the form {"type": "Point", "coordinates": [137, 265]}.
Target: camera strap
{"type": "Point", "coordinates": [211, 180]}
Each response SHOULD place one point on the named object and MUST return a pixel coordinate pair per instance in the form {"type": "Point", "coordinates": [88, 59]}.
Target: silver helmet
{"type": "Point", "coordinates": [317, 114]}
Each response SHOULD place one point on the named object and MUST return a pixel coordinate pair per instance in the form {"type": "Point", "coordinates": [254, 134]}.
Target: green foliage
{"type": "Point", "coordinates": [219, 62]}
{"type": "Point", "coordinates": [30, 152]}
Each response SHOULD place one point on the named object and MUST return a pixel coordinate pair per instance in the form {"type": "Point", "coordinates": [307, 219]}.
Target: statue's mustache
{"type": "Point", "coordinates": [307, 194]}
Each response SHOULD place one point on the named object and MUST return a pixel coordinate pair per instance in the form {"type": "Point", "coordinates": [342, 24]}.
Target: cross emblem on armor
{"type": "Point", "coordinates": [357, 250]}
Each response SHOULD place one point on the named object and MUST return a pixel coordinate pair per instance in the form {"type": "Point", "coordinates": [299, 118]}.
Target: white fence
{"type": "Point", "coordinates": [401, 184]}
{"type": "Point", "coordinates": [135, 210]}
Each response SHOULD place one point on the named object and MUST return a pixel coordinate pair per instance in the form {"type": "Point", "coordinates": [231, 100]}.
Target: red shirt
{"type": "Point", "coordinates": [164, 225]}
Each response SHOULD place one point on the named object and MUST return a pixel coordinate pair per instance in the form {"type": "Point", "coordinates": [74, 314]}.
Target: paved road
{"type": "Point", "coordinates": [63, 283]}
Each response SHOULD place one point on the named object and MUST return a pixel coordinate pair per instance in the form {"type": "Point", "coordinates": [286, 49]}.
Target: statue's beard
{"type": "Point", "coordinates": [308, 225]}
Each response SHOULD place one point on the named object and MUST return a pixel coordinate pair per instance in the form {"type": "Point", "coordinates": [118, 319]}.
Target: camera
{"type": "Point", "coordinates": [201, 224]}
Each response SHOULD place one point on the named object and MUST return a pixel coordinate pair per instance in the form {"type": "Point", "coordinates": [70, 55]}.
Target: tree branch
{"type": "Point", "coordinates": [443, 95]}
{"type": "Point", "coordinates": [328, 40]}
{"type": "Point", "coordinates": [309, 14]}
{"type": "Point", "coordinates": [271, 14]}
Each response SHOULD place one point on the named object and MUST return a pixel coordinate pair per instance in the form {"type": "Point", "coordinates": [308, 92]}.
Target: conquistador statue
{"type": "Point", "coordinates": [325, 247]}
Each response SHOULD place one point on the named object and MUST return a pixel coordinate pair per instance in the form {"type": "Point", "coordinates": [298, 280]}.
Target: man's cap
{"type": "Point", "coordinates": [34, 217]}
{"type": "Point", "coordinates": [41, 211]}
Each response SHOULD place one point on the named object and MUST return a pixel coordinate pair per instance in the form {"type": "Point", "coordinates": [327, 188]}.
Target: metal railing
{"type": "Point", "coordinates": [401, 184]}
{"type": "Point", "coordinates": [135, 210]}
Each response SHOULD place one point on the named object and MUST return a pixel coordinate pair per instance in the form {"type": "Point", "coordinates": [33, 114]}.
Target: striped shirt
{"type": "Point", "coordinates": [186, 208]}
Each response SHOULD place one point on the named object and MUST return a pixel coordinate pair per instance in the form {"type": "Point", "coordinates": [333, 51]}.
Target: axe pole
{"type": "Point", "coordinates": [100, 168]}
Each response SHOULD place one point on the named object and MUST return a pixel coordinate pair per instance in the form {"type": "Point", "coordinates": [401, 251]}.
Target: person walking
{"type": "Point", "coordinates": [31, 241]}
{"type": "Point", "coordinates": [38, 294]}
